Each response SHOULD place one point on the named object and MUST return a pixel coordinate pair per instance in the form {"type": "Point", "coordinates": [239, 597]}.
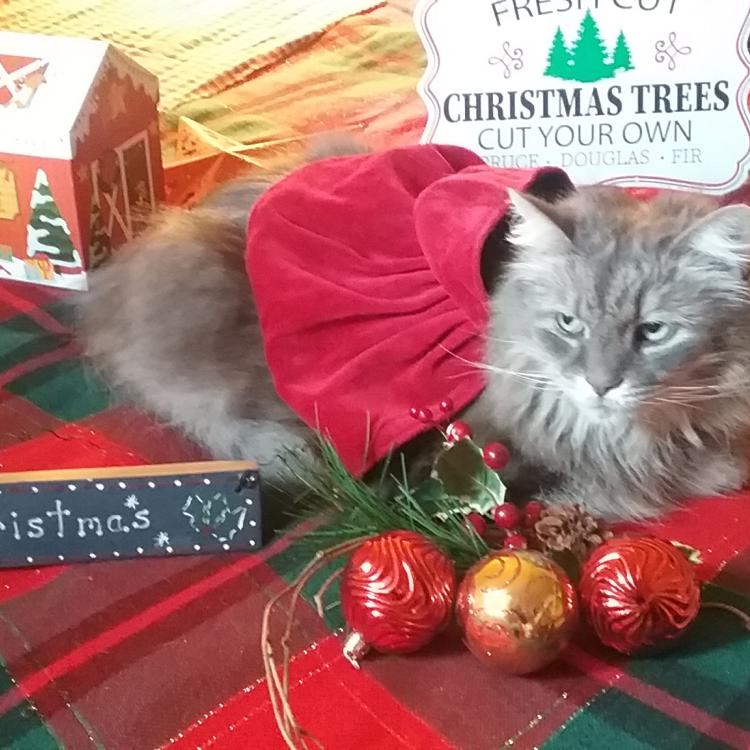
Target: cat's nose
{"type": "Point", "coordinates": [603, 384]}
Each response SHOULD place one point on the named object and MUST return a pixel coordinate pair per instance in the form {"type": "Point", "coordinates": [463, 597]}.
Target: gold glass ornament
{"type": "Point", "coordinates": [518, 610]}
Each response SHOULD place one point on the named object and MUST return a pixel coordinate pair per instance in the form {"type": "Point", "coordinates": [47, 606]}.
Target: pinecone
{"type": "Point", "coordinates": [563, 528]}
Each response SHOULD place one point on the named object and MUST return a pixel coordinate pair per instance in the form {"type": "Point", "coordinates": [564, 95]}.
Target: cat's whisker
{"type": "Point", "coordinates": [544, 387]}
{"type": "Point", "coordinates": [529, 376]}
{"type": "Point", "coordinates": [706, 386]}
{"type": "Point", "coordinates": [671, 402]}
{"type": "Point", "coordinates": [700, 398]}
{"type": "Point", "coordinates": [509, 342]}
{"type": "Point", "coordinates": [483, 368]}
{"type": "Point", "coordinates": [701, 395]}
{"type": "Point", "coordinates": [689, 389]}
{"type": "Point", "coordinates": [535, 386]}
{"type": "Point", "coordinates": [719, 390]}
{"type": "Point", "coordinates": [529, 379]}
{"type": "Point", "coordinates": [473, 371]}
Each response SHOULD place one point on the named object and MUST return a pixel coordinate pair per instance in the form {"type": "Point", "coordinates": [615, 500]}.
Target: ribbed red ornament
{"type": "Point", "coordinates": [638, 593]}
{"type": "Point", "coordinates": [397, 593]}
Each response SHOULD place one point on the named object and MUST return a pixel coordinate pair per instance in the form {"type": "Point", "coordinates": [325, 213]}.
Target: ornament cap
{"type": "Point", "coordinates": [355, 647]}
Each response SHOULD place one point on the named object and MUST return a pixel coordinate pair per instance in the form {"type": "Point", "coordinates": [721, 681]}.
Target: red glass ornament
{"type": "Point", "coordinates": [516, 541]}
{"type": "Point", "coordinates": [478, 522]}
{"type": "Point", "coordinates": [457, 431]}
{"type": "Point", "coordinates": [638, 593]}
{"type": "Point", "coordinates": [496, 456]}
{"type": "Point", "coordinates": [532, 512]}
{"type": "Point", "coordinates": [507, 516]}
{"type": "Point", "coordinates": [397, 592]}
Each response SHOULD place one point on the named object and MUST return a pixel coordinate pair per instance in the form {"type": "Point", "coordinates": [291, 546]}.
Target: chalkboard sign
{"type": "Point", "coordinates": [49, 517]}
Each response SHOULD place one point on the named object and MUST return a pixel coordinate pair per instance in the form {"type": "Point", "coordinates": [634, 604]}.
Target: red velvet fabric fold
{"type": "Point", "coordinates": [366, 274]}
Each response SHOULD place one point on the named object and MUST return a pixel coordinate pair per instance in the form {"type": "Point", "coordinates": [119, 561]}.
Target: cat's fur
{"type": "Point", "coordinates": [170, 320]}
{"type": "Point", "coordinates": [673, 415]}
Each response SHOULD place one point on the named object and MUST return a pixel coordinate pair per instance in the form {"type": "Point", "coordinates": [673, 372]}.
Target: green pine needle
{"type": "Point", "coordinates": [352, 508]}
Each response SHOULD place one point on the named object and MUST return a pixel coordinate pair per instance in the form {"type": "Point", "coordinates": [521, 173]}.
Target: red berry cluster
{"type": "Point", "coordinates": [496, 455]}
{"type": "Point", "coordinates": [507, 516]}
{"type": "Point", "coordinates": [514, 524]}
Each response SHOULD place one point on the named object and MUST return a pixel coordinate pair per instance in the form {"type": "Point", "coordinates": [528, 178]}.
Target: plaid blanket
{"type": "Point", "coordinates": [159, 653]}
{"type": "Point", "coordinates": [166, 653]}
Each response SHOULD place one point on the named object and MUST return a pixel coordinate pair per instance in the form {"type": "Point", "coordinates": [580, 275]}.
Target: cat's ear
{"type": "Point", "coordinates": [538, 225]}
{"type": "Point", "coordinates": [722, 237]}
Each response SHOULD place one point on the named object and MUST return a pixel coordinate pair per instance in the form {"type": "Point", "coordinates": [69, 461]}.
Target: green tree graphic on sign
{"type": "Point", "coordinates": [589, 54]}
{"type": "Point", "coordinates": [558, 61]}
{"type": "Point", "coordinates": [621, 57]}
{"type": "Point", "coordinates": [587, 60]}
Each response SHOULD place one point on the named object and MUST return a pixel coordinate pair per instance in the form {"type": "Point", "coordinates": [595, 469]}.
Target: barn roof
{"type": "Point", "coordinates": [46, 85]}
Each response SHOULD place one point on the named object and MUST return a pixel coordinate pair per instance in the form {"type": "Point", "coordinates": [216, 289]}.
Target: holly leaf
{"type": "Point", "coordinates": [430, 495]}
{"type": "Point", "coordinates": [461, 470]}
{"type": "Point", "coordinates": [433, 499]}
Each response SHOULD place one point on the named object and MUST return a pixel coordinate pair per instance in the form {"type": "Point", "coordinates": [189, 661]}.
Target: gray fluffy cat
{"type": "Point", "coordinates": [618, 356]}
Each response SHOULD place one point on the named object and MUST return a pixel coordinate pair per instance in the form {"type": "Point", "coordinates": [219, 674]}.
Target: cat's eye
{"type": "Point", "coordinates": [653, 331]}
{"type": "Point", "coordinates": [569, 324]}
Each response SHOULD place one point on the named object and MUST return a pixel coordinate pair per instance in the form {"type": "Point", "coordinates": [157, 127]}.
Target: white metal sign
{"type": "Point", "coordinates": [630, 92]}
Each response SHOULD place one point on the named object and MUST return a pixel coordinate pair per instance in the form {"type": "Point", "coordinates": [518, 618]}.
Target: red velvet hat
{"type": "Point", "coordinates": [366, 275]}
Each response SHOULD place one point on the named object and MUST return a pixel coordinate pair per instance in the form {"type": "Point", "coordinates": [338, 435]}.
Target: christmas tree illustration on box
{"type": "Point", "coordinates": [47, 234]}
{"type": "Point", "coordinates": [587, 59]}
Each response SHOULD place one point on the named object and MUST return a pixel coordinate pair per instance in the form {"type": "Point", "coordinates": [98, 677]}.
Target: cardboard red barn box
{"type": "Point", "coordinates": [80, 159]}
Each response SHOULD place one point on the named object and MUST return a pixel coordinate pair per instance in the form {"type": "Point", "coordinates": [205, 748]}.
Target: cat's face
{"type": "Point", "coordinates": [620, 305]}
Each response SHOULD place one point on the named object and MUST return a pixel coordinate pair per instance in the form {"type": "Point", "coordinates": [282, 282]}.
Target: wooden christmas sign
{"type": "Point", "coordinates": [628, 92]}
{"type": "Point", "coordinates": [80, 159]}
{"type": "Point", "coordinates": [49, 517]}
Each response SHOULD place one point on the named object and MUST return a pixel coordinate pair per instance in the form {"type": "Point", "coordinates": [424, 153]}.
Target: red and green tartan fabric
{"type": "Point", "coordinates": [134, 655]}
{"type": "Point", "coordinates": [166, 653]}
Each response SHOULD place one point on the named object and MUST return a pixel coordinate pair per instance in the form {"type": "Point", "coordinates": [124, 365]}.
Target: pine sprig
{"type": "Point", "coordinates": [353, 508]}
